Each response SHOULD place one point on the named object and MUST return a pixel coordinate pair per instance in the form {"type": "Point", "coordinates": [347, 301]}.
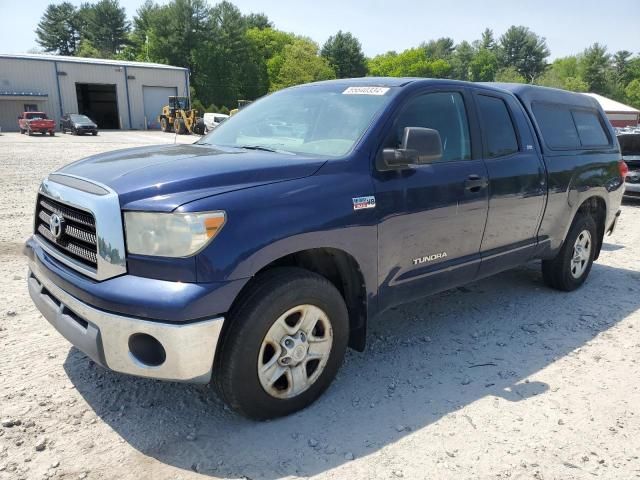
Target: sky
{"type": "Point", "coordinates": [382, 25]}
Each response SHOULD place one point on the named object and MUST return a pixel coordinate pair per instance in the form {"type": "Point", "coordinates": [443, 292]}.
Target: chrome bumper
{"type": "Point", "coordinates": [106, 337]}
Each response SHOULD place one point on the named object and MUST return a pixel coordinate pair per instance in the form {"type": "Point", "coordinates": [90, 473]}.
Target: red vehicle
{"type": "Point", "coordinates": [31, 122]}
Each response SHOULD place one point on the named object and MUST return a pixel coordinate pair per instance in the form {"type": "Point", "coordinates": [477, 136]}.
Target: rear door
{"type": "Point", "coordinates": [431, 217]}
{"type": "Point", "coordinates": [517, 182]}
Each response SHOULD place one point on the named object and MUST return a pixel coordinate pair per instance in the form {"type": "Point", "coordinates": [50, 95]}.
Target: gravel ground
{"type": "Point", "coordinates": [502, 378]}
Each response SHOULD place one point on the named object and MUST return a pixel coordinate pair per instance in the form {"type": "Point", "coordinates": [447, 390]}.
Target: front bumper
{"type": "Point", "coordinates": [189, 348]}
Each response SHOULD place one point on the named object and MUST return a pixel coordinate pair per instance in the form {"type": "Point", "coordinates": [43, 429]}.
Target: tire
{"type": "Point", "coordinates": [571, 266]}
{"type": "Point", "coordinates": [22, 130]}
{"type": "Point", "coordinates": [52, 133]}
{"type": "Point", "coordinates": [246, 343]}
{"type": "Point", "coordinates": [94, 133]}
{"type": "Point", "coordinates": [164, 125]}
{"type": "Point", "coordinates": [179, 126]}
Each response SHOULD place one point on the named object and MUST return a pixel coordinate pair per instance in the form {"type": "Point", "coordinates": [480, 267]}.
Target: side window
{"type": "Point", "coordinates": [498, 129]}
{"type": "Point", "coordinates": [441, 111]}
{"type": "Point", "coordinates": [590, 128]}
{"type": "Point", "coordinates": [556, 125]}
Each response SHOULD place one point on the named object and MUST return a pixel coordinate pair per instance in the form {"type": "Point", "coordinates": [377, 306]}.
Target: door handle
{"type": "Point", "coordinates": [475, 183]}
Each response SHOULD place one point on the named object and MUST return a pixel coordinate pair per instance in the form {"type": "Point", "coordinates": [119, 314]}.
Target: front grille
{"type": "Point", "coordinates": [77, 239]}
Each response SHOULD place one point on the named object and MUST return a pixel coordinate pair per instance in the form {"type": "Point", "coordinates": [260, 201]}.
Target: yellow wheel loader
{"type": "Point", "coordinates": [179, 117]}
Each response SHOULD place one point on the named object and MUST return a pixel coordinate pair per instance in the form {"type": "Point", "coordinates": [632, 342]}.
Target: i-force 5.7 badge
{"type": "Point", "coordinates": [364, 202]}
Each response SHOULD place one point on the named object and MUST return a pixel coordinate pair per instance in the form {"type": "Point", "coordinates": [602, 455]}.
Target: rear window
{"type": "Point", "coordinates": [590, 128]}
{"type": "Point", "coordinates": [563, 127]}
{"type": "Point", "coordinates": [497, 127]}
{"type": "Point", "coordinates": [35, 115]}
{"type": "Point", "coordinates": [556, 125]}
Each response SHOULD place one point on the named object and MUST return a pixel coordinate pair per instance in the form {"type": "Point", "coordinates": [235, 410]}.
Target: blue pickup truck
{"type": "Point", "coordinates": [254, 257]}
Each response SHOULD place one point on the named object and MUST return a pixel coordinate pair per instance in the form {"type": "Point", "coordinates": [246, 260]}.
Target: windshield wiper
{"type": "Point", "coordinates": [264, 149]}
{"type": "Point", "coordinates": [258, 147]}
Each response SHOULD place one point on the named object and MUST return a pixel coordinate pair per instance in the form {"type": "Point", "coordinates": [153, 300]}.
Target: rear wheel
{"type": "Point", "coordinates": [285, 344]}
{"type": "Point", "coordinates": [52, 133]}
{"type": "Point", "coordinates": [22, 130]}
{"type": "Point", "coordinates": [571, 266]}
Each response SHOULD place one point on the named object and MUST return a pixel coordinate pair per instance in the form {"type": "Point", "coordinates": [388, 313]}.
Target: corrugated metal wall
{"type": "Point", "coordinates": [21, 74]}
{"type": "Point", "coordinates": [151, 78]}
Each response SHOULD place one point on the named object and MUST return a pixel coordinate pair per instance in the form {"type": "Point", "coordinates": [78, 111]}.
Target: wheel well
{"type": "Point", "coordinates": [596, 207]}
{"type": "Point", "coordinates": [342, 270]}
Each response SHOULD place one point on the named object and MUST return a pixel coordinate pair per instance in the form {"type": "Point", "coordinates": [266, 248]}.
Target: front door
{"type": "Point", "coordinates": [431, 217]}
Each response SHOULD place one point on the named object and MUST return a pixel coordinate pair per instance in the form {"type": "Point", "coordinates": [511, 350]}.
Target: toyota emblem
{"type": "Point", "coordinates": [56, 225]}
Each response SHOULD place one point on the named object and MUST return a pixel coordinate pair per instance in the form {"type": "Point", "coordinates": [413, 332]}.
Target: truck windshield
{"type": "Point", "coordinates": [321, 120]}
{"type": "Point", "coordinates": [35, 116]}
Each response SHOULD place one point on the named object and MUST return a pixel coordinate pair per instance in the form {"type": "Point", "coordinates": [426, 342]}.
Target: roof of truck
{"type": "Point", "coordinates": [529, 94]}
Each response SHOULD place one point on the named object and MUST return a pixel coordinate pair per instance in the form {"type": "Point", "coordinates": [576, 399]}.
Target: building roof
{"type": "Point", "coordinates": [94, 61]}
{"type": "Point", "coordinates": [612, 106]}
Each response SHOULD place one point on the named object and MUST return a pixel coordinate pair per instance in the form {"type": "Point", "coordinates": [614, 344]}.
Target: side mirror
{"type": "Point", "coordinates": [419, 146]}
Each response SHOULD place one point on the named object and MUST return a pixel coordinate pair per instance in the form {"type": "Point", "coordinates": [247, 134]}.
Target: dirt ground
{"type": "Point", "coordinates": [502, 378]}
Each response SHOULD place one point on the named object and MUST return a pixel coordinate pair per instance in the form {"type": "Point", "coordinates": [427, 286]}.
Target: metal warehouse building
{"type": "Point", "coordinates": [115, 94]}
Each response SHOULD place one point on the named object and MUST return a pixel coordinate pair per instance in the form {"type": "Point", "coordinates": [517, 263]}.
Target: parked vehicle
{"type": "Point", "coordinates": [36, 122]}
{"type": "Point", "coordinates": [212, 120]}
{"type": "Point", "coordinates": [258, 254]}
{"type": "Point", "coordinates": [630, 147]}
{"type": "Point", "coordinates": [78, 124]}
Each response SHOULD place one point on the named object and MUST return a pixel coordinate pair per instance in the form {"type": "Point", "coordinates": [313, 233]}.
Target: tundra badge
{"type": "Point", "coordinates": [429, 258]}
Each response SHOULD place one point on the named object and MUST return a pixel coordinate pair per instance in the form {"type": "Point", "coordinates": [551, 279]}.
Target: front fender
{"type": "Point", "coordinates": [268, 222]}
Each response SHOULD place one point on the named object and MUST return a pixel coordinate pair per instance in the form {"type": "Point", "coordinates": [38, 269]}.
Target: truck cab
{"type": "Point", "coordinates": [256, 256]}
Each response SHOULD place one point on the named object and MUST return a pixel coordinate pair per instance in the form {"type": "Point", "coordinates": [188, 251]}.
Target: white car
{"type": "Point", "coordinates": [212, 120]}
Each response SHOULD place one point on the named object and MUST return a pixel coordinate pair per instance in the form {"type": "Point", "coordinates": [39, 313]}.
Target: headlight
{"type": "Point", "coordinates": [171, 234]}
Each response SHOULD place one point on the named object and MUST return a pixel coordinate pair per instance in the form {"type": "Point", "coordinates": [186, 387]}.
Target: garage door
{"type": "Point", "coordinates": [154, 99]}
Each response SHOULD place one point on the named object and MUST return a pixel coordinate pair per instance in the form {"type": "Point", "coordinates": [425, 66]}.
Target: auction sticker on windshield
{"type": "Point", "coordinates": [366, 91]}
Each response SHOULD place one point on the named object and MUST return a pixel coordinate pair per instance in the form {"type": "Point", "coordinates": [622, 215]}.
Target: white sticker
{"type": "Point", "coordinates": [366, 91]}
{"type": "Point", "coordinates": [360, 203]}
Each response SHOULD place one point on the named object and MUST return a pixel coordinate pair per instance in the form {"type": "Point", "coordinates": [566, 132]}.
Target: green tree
{"type": "Point", "coordinates": [225, 70]}
{"type": "Point", "coordinates": [441, 48]}
{"type": "Point", "coordinates": [59, 29]}
{"type": "Point", "coordinates": [524, 51]}
{"type": "Point", "coordinates": [411, 63]}
{"type": "Point", "coordinates": [301, 64]}
{"type": "Point", "coordinates": [106, 26]}
{"type": "Point", "coordinates": [175, 31]}
{"type": "Point", "coordinates": [143, 22]}
{"type": "Point", "coordinates": [344, 53]}
{"type": "Point", "coordinates": [632, 92]}
{"type": "Point", "coordinates": [488, 41]}
{"type": "Point", "coordinates": [564, 73]}
{"type": "Point", "coordinates": [621, 65]}
{"type": "Point", "coordinates": [595, 65]}
{"type": "Point", "coordinates": [258, 20]}
{"type": "Point", "coordinates": [461, 61]}
{"type": "Point", "coordinates": [509, 75]}
{"type": "Point", "coordinates": [484, 66]}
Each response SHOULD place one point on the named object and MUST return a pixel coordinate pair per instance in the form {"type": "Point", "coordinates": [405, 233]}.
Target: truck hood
{"type": "Point", "coordinates": [161, 178]}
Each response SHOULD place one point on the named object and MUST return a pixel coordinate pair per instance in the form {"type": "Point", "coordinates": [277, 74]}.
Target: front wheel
{"type": "Point", "coordinates": [571, 266]}
{"type": "Point", "coordinates": [285, 344]}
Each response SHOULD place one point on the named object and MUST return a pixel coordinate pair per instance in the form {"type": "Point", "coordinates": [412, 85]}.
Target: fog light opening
{"type": "Point", "coordinates": [147, 349]}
